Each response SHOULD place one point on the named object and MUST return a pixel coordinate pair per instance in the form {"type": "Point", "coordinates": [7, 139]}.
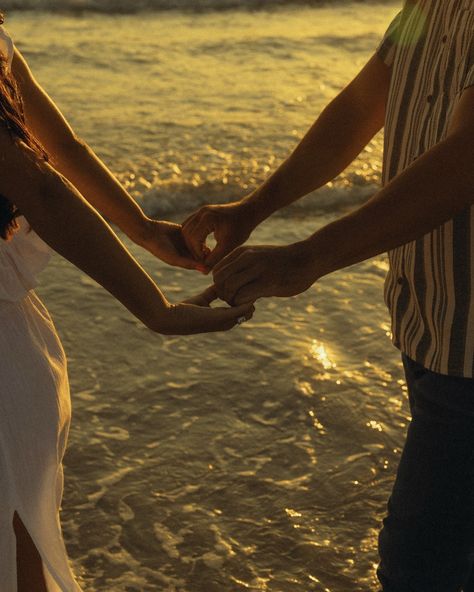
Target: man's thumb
{"type": "Point", "coordinates": [219, 252]}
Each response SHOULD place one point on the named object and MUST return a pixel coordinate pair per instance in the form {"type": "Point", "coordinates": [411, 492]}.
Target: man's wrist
{"type": "Point", "coordinates": [256, 207]}
{"type": "Point", "coordinates": [311, 258]}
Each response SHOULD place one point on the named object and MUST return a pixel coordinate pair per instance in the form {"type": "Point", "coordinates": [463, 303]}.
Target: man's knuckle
{"type": "Point", "coordinates": [205, 211]}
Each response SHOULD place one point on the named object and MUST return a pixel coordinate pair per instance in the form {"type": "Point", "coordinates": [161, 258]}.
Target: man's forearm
{"type": "Point", "coordinates": [435, 188]}
{"type": "Point", "coordinates": [337, 137]}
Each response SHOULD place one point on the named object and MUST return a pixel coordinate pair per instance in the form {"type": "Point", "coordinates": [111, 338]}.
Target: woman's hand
{"type": "Point", "coordinates": [165, 240]}
{"type": "Point", "coordinates": [196, 315]}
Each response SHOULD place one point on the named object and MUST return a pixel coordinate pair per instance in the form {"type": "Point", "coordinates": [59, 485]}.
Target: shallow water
{"type": "Point", "coordinates": [260, 459]}
{"type": "Point", "coordinates": [134, 6]}
{"type": "Point", "coordinates": [191, 108]}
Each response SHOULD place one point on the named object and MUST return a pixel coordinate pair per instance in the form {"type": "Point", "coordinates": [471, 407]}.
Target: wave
{"type": "Point", "coordinates": [132, 6]}
{"type": "Point", "coordinates": [177, 200]}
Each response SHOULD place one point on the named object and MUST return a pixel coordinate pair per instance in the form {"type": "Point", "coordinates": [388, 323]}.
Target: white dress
{"type": "Point", "coordinates": [35, 409]}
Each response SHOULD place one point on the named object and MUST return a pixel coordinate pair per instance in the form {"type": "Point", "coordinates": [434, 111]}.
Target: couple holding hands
{"type": "Point", "coordinates": [419, 84]}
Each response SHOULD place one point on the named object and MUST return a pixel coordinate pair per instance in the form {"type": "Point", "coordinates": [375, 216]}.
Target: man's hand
{"type": "Point", "coordinates": [249, 273]}
{"type": "Point", "coordinates": [231, 224]}
{"type": "Point", "coordinates": [165, 240]}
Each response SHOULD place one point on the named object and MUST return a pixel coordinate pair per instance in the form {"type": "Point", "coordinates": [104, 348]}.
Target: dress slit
{"type": "Point", "coordinates": [53, 580]}
{"type": "Point", "coordinates": [34, 424]}
{"type": "Point", "coordinates": [30, 557]}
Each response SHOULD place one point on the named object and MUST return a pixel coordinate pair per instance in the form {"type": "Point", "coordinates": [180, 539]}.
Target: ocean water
{"type": "Point", "coordinates": [133, 6]}
{"type": "Point", "coordinates": [259, 459]}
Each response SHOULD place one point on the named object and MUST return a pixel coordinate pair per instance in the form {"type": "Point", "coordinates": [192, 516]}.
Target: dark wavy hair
{"type": "Point", "coordinates": [12, 118]}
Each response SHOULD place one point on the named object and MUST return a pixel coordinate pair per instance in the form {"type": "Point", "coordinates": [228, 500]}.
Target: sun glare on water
{"type": "Point", "coordinates": [319, 352]}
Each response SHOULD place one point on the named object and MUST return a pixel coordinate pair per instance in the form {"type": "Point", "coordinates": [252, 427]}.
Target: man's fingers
{"type": "Point", "coordinates": [220, 251]}
{"type": "Point", "coordinates": [235, 263]}
{"type": "Point", "coordinates": [228, 259]}
{"type": "Point", "coordinates": [193, 242]}
{"type": "Point", "coordinates": [195, 234]}
{"type": "Point", "coordinates": [228, 290]}
{"type": "Point", "coordinates": [189, 235]}
{"type": "Point", "coordinates": [249, 293]}
{"type": "Point", "coordinates": [190, 218]}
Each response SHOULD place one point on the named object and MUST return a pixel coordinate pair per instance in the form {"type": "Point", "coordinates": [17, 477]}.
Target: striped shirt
{"type": "Point", "coordinates": [430, 285]}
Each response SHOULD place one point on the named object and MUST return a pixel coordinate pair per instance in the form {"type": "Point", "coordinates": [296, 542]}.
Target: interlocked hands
{"type": "Point", "coordinates": [231, 225]}
{"type": "Point", "coordinates": [244, 274]}
{"type": "Point", "coordinates": [241, 274]}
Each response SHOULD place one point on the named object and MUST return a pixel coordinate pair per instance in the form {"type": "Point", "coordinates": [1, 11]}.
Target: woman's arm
{"type": "Point", "coordinates": [64, 220]}
{"type": "Point", "coordinates": [75, 160]}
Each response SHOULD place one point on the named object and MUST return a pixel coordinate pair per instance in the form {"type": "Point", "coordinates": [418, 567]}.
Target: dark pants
{"type": "Point", "coordinates": [427, 540]}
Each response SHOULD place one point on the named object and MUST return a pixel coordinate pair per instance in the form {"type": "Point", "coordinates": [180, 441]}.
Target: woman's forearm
{"type": "Point", "coordinates": [79, 234]}
{"type": "Point", "coordinates": [80, 165]}
{"type": "Point", "coordinates": [74, 159]}
{"type": "Point", "coordinates": [65, 221]}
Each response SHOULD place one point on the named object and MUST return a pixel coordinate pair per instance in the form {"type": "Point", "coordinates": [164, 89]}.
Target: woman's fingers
{"type": "Point", "coordinates": [204, 298]}
{"type": "Point", "coordinates": [165, 241]}
{"type": "Point", "coordinates": [188, 319]}
{"type": "Point", "coordinates": [227, 318]}
{"type": "Point", "coordinates": [186, 263]}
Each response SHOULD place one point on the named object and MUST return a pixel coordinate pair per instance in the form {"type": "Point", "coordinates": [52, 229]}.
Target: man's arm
{"type": "Point", "coordinates": [343, 129]}
{"type": "Point", "coordinates": [435, 188]}
{"type": "Point", "coordinates": [75, 160]}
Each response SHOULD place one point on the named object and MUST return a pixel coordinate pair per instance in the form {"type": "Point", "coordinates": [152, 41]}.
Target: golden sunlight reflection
{"type": "Point", "coordinates": [318, 581]}
{"type": "Point", "coordinates": [316, 423]}
{"type": "Point", "coordinates": [319, 352]}
{"type": "Point", "coordinates": [305, 388]}
{"type": "Point", "coordinates": [375, 425]}
{"type": "Point", "coordinates": [293, 513]}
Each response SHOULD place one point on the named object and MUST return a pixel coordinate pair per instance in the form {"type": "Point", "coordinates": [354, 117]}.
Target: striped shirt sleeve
{"type": "Point", "coordinates": [386, 49]}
